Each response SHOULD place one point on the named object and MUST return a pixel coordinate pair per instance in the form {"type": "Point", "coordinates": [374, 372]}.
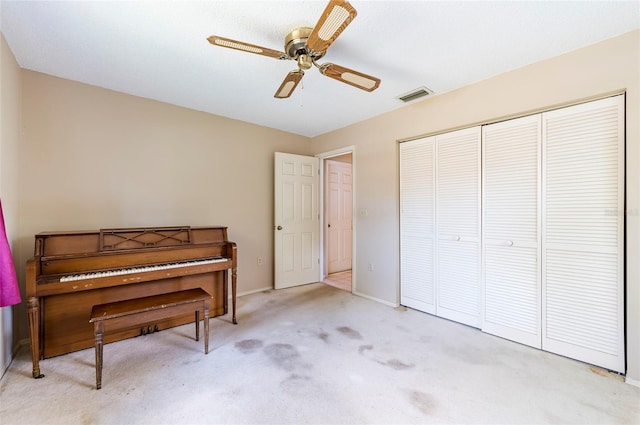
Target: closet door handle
{"type": "Point", "coordinates": [509, 243]}
{"type": "Point", "coordinates": [457, 238]}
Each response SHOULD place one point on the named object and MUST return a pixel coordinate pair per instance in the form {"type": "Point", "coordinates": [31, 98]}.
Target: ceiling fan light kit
{"type": "Point", "coordinates": [306, 46]}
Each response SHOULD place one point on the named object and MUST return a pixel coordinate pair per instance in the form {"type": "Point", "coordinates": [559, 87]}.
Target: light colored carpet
{"type": "Point", "coordinates": [319, 355]}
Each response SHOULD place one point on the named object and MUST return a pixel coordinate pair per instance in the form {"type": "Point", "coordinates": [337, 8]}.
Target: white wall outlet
{"type": "Point", "coordinates": [260, 262]}
{"type": "Point", "coordinates": [370, 267]}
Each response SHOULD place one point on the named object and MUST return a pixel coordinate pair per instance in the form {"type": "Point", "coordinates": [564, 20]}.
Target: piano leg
{"type": "Point", "coordinates": [234, 275]}
{"type": "Point", "coordinates": [34, 332]}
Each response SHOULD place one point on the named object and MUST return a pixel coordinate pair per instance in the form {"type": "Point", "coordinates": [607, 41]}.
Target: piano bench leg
{"type": "Point", "coordinates": [205, 309]}
{"type": "Point", "coordinates": [98, 328]}
{"type": "Point", "coordinates": [197, 325]}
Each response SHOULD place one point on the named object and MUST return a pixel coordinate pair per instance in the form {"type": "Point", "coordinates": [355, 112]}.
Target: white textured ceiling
{"type": "Point", "coordinates": [159, 50]}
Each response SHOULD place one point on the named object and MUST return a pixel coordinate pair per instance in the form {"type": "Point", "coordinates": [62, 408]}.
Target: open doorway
{"type": "Point", "coordinates": [337, 210]}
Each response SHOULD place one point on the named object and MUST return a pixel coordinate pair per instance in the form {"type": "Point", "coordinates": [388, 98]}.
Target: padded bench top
{"type": "Point", "coordinates": [140, 305]}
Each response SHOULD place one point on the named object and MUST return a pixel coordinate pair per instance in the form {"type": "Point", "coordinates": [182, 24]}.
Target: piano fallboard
{"type": "Point", "coordinates": [65, 264]}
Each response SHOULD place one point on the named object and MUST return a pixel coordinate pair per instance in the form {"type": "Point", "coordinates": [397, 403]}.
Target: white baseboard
{"type": "Point", "coordinates": [360, 294]}
{"type": "Point", "coordinates": [633, 382]}
{"type": "Point", "coordinates": [253, 291]}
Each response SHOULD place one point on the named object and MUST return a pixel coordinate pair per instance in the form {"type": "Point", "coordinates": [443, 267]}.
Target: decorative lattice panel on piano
{"type": "Point", "coordinates": [115, 239]}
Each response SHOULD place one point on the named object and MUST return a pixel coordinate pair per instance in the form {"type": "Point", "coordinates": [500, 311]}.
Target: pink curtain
{"type": "Point", "coordinates": [9, 291]}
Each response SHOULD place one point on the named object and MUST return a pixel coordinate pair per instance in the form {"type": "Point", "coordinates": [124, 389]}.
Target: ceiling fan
{"type": "Point", "coordinates": [307, 46]}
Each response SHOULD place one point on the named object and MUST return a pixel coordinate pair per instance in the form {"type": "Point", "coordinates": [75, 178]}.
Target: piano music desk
{"type": "Point", "coordinates": [143, 310]}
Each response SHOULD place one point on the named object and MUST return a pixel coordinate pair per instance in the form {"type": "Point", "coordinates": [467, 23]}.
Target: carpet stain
{"type": "Point", "coordinates": [403, 329]}
{"type": "Point", "coordinates": [316, 333]}
{"type": "Point", "coordinates": [323, 336]}
{"type": "Point", "coordinates": [426, 339]}
{"type": "Point", "coordinates": [248, 345]}
{"type": "Point", "coordinates": [296, 384]}
{"type": "Point", "coordinates": [364, 348]}
{"type": "Point", "coordinates": [283, 355]}
{"type": "Point", "coordinates": [349, 333]}
{"type": "Point", "coordinates": [396, 364]}
{"type": "Point", "coordinates": [422, 401]}
{"type": "Point", "coordinates": [296, 377]}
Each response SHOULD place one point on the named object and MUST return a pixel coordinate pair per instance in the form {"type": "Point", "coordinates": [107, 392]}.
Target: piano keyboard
{"type": "Point", "coordinates": [109, 273]}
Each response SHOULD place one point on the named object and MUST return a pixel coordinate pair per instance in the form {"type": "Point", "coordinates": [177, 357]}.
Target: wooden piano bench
{"type": "Point", "coordinates": [136, 311]}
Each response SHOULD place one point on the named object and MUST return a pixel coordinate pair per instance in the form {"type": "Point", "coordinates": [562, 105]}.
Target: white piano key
{"type": "Point", "coordinates": [118, 272]}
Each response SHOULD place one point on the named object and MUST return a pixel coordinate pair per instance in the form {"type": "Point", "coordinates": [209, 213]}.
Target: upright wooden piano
{"type": "Point", "coordinates": [71, 272]}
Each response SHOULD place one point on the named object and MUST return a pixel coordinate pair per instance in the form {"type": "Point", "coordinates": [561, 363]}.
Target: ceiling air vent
{"type": "Point", "coordinates": [415, 94]}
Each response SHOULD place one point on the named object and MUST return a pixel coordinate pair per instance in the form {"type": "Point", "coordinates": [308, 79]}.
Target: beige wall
{"type": "Point", "coordinates": [95, 158]}
{"type": "Point", "coordinates": [10, 86]}
{"type": "Point", "coordinates": [604, 68]}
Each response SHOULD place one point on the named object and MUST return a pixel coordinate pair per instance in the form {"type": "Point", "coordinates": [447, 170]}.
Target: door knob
{"type": "Point", "coordinates": [329, 225]}
{"type": "Point", "coordinates": [279, 227]}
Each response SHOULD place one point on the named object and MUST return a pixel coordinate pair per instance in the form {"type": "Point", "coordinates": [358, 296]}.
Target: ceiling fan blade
{"type": "Point", "coordinates": [246, 47]}
{"type": "Point", "coordinates": [289, 84]}
{"type": "Point", "coordinates": [349, 76]}
{"type": "Point", "coordinates": [335, 18]}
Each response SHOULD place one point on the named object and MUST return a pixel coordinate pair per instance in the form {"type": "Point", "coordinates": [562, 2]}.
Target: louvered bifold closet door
{"type": "Point", "coordinates": [417, 212]}
{"type": "Point", "coordinates": [582, 234]}
{"type": "Point", "coordinates": [511, 229]}
{"type": "Point", "coordinates": [458, 226]}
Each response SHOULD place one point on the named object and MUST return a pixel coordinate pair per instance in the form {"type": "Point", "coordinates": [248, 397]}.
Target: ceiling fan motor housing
{"type": "Point", "coordinates": [295, 45]}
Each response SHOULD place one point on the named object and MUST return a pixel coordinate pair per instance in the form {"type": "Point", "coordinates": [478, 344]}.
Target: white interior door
{"type": "Point", "coordinates": [339, 215]}
{"type": "Point", "coordinates": [458, 191]}
{"type": "Point", "coordinates": [511, 229]}
{"type": "Point", "coordinates": [297, 220]}
{"type": "Point", "coordinates": [583, 232]}
{"type": "Point", "coordinates": [417, 225]}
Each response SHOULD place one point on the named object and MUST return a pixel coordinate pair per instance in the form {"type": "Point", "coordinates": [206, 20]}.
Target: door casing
{"type": "Point", "coordinates": [323, 222]}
